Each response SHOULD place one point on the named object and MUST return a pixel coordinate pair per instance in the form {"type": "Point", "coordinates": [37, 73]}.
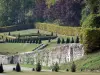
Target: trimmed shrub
{"type": "Point", "coordinates": [9, 33]}
{"type": "Point", "coordinates": [55, 67]}
{"type": "Point", "coordinates": [14, 69]}
{"type": "Point", "coordinates": [67, 70]}
{"type": "Point", "coordinates": [33, 69]}
{"type": "Point", "coordinates": [67, 40]}
{"type": "Point", "coordinates": [91, 39]}
{"type": "Point", "coordinates": [58, 41]}
{"type": "Point", "coordinates": [72, 41]}
{"type": "Point", "coordinates": [73, 67]}
{"type": "Point", "coordinates": [77, 40]}
{"type": "Point", "coordinates": [38, 67]}
{"type": "Point", "coordinates": [36, 41]}
{"type": "Point", "coordinates": [40, 41]}
{"type": "Point", "coordinates": [51, 33]}
{"type": "Point", "coordinates": [18, 69]}
{"type": "Point", "coordinates": [1, 68]}
{"type": "Point", "coordinates": [49, 40]}
{"type": "Point", "coordinates": [38, 32]}
{"type": "Point", "coordinates": [69, 31]}
{"type": "Point", "coordinates": [63, 41]}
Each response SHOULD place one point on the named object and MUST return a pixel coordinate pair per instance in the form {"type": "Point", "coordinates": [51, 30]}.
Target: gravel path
{"type": "Point", "coordinates": [8, 68]}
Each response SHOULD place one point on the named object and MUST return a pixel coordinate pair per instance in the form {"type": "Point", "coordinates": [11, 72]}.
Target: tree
{"type": "Point", "coordinates": [6, 39]}
{"type": "Point", "coordinates": [40, 41]}
{"type": "Point", "coordinates": [58, 41]}
{"type": "Point", "coordinates": [77, 40]}
{"type": "Point", "coordinates": [38, 32]}
{"type": "Point", "coordinates": [73, 67]}
{"type": "Point", "coordinates": [36, 41]}
{"type": "Point", "coordinates": [1, 68]}
{"type": "Point", "coordinates": [63, 41]}
{"type": "Point", "coordinates": [51, 33]}
{"type": "Point", "coordinates": [9, 33]}
{"type": "Point", "coordinates": [49, 40]}
{"type": "Point", "coordinates": [18, 69]}
{"type": "Point", "coordinates": [67, 40]}
{"type": "Point", "coordinates": [72, 41]}
{"type": "Point", "coordinates": [40, 6]}
{"type": "Point", "coordinates": [93, 5]}
{"type": "Point", "coordinates": [38, 67]}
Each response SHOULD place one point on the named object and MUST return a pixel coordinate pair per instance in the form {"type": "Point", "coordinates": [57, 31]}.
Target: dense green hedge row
{"type": "Point", "coordinates": [69, 31]}
{"type": "Point", "coordinates": [30, 39]}
{"type": "Point", "coordinates": [91, 39]}
{"type": "Point", "coordinates": [16, 27]}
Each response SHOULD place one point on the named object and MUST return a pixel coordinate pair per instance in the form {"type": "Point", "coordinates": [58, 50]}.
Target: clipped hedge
{"type": "Point", "coordinates": [90, 37]}
{"type": "Point", "coordinates": [16, 27]}
{"type": "Point", "coordinates": [69, 31]}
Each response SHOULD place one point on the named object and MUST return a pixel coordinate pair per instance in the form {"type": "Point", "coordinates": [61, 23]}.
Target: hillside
{"type": "Point", "coordinates": [89, 62]}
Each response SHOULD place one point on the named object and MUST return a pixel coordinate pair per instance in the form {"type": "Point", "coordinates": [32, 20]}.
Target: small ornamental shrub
{"type": "Point", "coordinates": [38, 32]}
{"type": "Point", "coordinates": [9, 33]}
{"type": "Point", "coordinates": [1, 68]}
{"type": "Point", "coordinates": [38, 67]}
{"type": "Point", "coordinates": [58, 41]}
{"type": "Point", "coordinates": [33, 69]}
{"type": "Point", "coordinates": [51, 33]}
{"type": "Point", "coordinates": [14, 69]}
{"type": "Point", "coordinates": [67, 70]}
{"type": "Point", "coordinates": [77, 40]}
{"type": "Point", "coordinates": [18, 69]}
{"type": "Point", "coordinates": [63, 41]}
{"type": "Point", "coordinates": [49, 40]}
{"type": "Point", "coordinates": [73, 67]}
{"type": "Point", "coordinates": [40, 41]}
{"type": "Point", "coordinates": [67, 40]}
{"type": "Point", "coordinates": [55, 67]}
{"type": "Point", "coordinates": [72, 41]}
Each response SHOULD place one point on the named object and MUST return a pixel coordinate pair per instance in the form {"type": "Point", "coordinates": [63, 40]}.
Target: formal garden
{"type": "Point", "coordinates": [45, 37]}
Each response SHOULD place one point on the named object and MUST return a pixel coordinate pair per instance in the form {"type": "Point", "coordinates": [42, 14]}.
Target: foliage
{"type": "Point", "coordinates": [72, 40]}
{"type": "Point", "coordinates": [1, 68]}
{"type": "Point", "coordinates": [93, 20]}
{"type": "Point", "coordinates": [90, 37]}
{"type": "Point", "coordinates": [77, 40]}
{"type": "Point", "coordinates": [63, 41]}
{"type": "Point", "coordinates": [67, 40]}
{"type": "Point", "coordinates": [38, 67]}
{"type": "Point", "coordinates": [58, 41]}
{"type": "Point", "coordinates": [55, 67]}
{"type": "Point", "coordinates": [73, 67]}
{"type": "Point", "coordinates": [57, 12]}
{"type": "Point", "coordinates": [18, 69]}
{"type": "Point", "coordinates": [93, 5]}
{"type": "Point", "coordinates": [16, 12]}
{"type": "Point", "coordinates": [69, 31]}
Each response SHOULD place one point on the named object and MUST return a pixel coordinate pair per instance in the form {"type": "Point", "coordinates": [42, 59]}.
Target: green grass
{"type": "Point", "coordinates": [88, 62]}
{"type": "Point", "coordinates": [16, 47]}
{"type": "Point", "coordinates": [50, 73]}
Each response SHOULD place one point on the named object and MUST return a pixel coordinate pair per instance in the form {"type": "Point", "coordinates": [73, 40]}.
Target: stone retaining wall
{"type": "Point", "coordinates": [47, 57]}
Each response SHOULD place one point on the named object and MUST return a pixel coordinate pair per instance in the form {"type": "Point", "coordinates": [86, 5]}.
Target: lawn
{"type": "Point", "coordinates": [88, 62]}
{"type": "Point", "coordinates": [49, 73]}
{"type": "Point", "coordinates": [17, 47]}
